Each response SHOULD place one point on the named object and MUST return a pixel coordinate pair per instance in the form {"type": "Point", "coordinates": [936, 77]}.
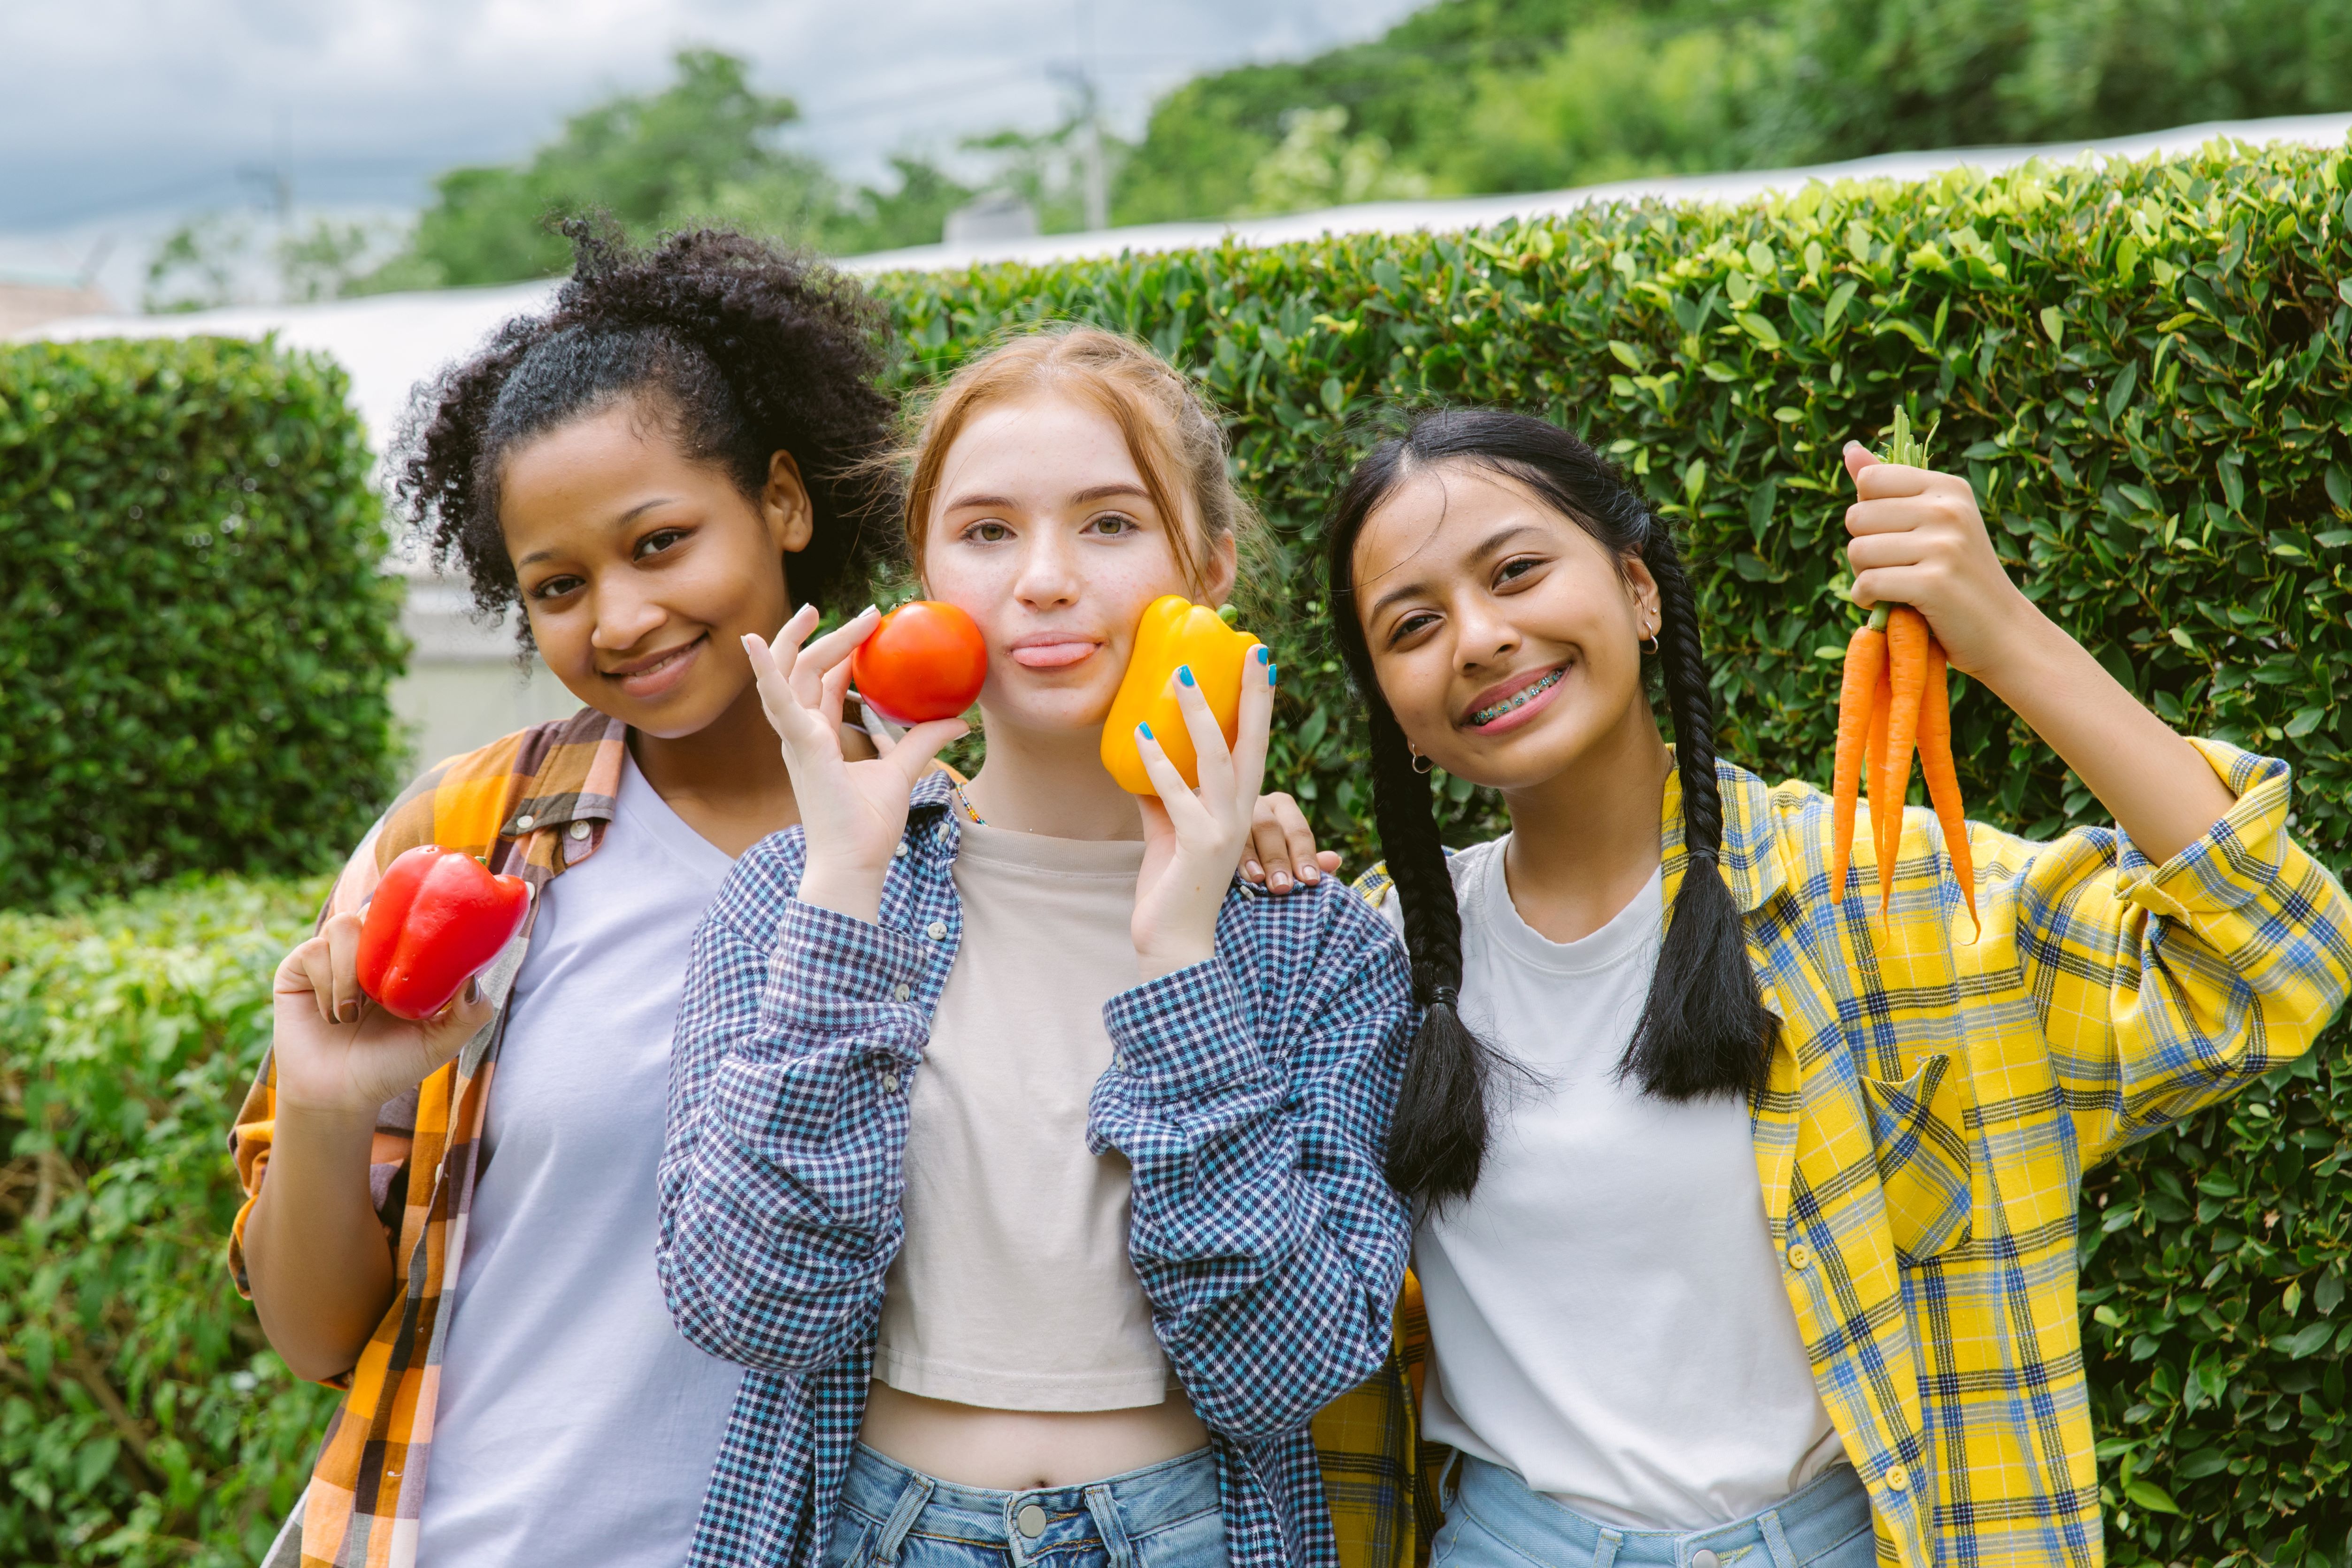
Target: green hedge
{"type": "Point", "coordinates": [2144, 369]}
{"type": "Point", "coordinates": [143, 1418]}
{"type": "Point", "coordinates": [196, 635]}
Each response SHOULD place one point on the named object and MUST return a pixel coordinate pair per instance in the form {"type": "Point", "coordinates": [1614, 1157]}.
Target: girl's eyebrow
{"type": "Point", "coordinates": [1492, 545]}
{"type": "Point", "coordinates": [623, 521]}
{"type": "Point", "coordinates": [1093, 493]}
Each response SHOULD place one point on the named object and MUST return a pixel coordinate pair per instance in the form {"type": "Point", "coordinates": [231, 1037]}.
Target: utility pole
{"type": "Point", "coordinates": [1097, 184]}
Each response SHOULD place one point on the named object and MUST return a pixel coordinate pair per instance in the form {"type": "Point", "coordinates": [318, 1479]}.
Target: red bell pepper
{"type": "Point", "coordinates": [438, 918]}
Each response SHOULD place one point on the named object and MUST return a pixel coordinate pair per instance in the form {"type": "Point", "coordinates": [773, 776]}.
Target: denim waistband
{"type": "Point", "coordinates": [1834, 1508]}
{"type": "Point", "coordinates": [1114, 1510]}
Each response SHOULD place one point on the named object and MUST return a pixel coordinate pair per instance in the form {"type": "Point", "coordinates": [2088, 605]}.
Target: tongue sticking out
{"type": "Point", "coordinates": [1051, 655]}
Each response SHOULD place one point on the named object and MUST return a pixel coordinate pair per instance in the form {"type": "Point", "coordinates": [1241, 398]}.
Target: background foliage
{"type": "Point", "coordinates": [2146, 371]}
{"type": "Point", "coordinates": [143, 1418]}
{"type": "Point", "coordinates": [1469, 96]}
{"type": "Point", "coordinates": [1462, 97]}
{"type": "Point", "coordinates": [195, 638]}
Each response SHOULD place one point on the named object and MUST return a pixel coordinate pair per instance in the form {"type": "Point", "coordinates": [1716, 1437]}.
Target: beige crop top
{"type": "Point", "coordinates": [1013, 1290]}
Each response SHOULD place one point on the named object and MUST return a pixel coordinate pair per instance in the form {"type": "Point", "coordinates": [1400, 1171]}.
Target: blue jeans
{"type": "Point", "coordinates": [1162, 1517]}
{"type": "Point", "coordinates": [1493, 1520]}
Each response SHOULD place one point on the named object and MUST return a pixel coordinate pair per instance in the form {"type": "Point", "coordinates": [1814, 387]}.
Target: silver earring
{"type": "Point", "coordinates": [1654, 642]}
{"type": "Point", "coordinates": [1421, 765]}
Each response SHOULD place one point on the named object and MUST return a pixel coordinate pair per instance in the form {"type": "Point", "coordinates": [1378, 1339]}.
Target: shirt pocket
{"type": "Point", "coordinates": [1920, 1139]}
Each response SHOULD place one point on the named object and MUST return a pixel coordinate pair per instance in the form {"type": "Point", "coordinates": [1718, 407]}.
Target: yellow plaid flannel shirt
{"type": "Point", "coordinates": [1934, 1102]}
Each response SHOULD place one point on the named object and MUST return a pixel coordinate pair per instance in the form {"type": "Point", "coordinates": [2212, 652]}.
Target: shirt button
{"type": "Point", "coordinates": [1801, 1255]}
{"type": "Point", "coordinates": [522, 824]}
{"type": "Point", "coordinates": [936, 931]}
{"type": "Point", "coordinates": [900, 852]}
{"type": "Point", "coordinates": [1030, 1521]}
{"type": "Point", "coordinates": [890, 1081]}
{"type": "Point", "coordinates": [1897, 1478]}
{"type": "Point", "coordinates": [1703, 1558]}
{"type": "Point", "coordinates": [579, 830]}
{"type": "Point", "coordinates": [900, 993]}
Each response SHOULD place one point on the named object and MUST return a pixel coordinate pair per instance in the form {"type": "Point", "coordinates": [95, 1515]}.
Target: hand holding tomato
{"type": "Point", "coordinates": [852, 812]}
{"type": "Point", "coordinates": [925, 660]}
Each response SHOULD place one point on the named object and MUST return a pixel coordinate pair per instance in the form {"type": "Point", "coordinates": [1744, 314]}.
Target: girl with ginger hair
{"type": "Point", "coordinates": [1027, 1159]}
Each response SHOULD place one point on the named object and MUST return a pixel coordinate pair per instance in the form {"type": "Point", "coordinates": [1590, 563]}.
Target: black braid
{"type": "Point", "coordinates": [1438, 1140]}
{"type": "Point", "coordinates": [1704, 1031]}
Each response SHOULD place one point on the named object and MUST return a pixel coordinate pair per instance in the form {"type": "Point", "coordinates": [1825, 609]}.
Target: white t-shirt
{"type": "Point", "coordinates": [1606, 1314]}
{"type": "Point", "coordinates": [574, 1425]}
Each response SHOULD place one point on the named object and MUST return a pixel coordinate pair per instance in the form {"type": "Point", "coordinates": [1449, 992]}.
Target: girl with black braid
{"type": "Point", "coordinates": [1745, 1216]}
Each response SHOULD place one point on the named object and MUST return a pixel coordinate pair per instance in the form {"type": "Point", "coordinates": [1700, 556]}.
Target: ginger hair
{"type": "Point", "coordinates": [1171, 434]}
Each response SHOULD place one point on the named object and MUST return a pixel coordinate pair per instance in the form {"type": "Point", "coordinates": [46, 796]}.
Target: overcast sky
{"type": "Point", "coordinates": [118, 115]}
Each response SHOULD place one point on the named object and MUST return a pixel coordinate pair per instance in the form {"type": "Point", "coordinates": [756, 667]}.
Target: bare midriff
{"type": "Point", "coordinates": [1013, 1450]}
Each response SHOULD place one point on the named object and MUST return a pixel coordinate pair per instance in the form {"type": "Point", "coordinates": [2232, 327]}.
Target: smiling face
{"type": "Point", "coordinates": [641, 569]}
{"type": "Point", "coordinates": [1506, 638]}
{"type": "Point", "coordinates": [1043, 532]}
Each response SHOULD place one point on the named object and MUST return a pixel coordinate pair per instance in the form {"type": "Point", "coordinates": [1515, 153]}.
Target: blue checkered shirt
{"type": "Point", "coordinates": [1250, 1094]}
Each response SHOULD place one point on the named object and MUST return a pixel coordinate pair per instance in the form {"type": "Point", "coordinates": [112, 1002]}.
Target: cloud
{"type": "Point", "coordinates": [121, 106]}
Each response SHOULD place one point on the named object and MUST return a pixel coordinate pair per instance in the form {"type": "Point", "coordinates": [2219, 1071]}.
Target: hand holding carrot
{"type": "Point", "coordinates": [1919, 540]}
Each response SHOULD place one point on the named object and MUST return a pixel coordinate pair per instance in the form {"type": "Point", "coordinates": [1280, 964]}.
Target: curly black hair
{"type": "Point", "coordinates": [741, 348]}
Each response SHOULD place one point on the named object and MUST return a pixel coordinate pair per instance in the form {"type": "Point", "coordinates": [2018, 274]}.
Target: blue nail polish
{"type": "Point", "coordinates": [1184, 674]}
{"type": "Point", "coordinates": [1273, 673]}
{"type": "Point", "coordinates": [1263, 656]}
{"type": "Point", "coordinates": [1144, 730]}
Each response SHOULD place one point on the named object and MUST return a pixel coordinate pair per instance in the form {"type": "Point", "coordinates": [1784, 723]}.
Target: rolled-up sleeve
{"type": "Point", "coordinates": [2163, 988]}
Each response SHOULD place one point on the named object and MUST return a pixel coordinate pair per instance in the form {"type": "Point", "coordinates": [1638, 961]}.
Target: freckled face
{"type": "Point", "coordinates": [1044, 533]}
{"type": "Point", "coordinates": [1505, 638]}
{"type": "Point", "coordinates": [641, 569]}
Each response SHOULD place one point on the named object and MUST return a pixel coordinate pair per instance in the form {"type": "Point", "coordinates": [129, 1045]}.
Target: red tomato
{"type": "Point", "coordinates": [926, 660]}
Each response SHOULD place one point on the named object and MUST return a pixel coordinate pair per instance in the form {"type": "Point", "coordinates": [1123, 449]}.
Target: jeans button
{"type": "Point", "coordinates": [1703, 1558]}
{"type": "Point", "coordinates": [1029, 1521]}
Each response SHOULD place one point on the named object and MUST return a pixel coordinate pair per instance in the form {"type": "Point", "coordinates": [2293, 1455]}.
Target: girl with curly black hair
{"type": "Point", "coordinates": [675, 454]}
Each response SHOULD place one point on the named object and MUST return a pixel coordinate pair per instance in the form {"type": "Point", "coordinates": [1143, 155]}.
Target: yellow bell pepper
{"type": "Point", "coordinates": [1173, 631]}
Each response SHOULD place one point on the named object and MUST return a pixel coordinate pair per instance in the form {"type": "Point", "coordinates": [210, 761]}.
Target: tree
{"type": "Point", "coordinates": [701, 150]}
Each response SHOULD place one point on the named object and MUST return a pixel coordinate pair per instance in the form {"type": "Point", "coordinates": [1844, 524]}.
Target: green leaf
{"type": "Point", "coordinates": [2304, 721]}
{"type": "Point", "coordinates": [2053, 321]}
{"type": "Point", "coordinates": [2309, 1340]}
{"type": "Point", "coordinates": [1762, 330]}
{"type": "Point", "coordinates": [1839, 298]}
{"type": "Point", "coordinates": [2119, 395]}
{"type": "Point", "coordinates": [2339, 487]}
{"type": "Point", "coordinates": [1334, 395]}
{"type": "Point", "coordinates": [2151, 1497]}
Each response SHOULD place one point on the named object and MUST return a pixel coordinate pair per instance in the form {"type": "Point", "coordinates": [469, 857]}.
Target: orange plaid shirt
{"type": "Point", "coordinates": [532, 806]}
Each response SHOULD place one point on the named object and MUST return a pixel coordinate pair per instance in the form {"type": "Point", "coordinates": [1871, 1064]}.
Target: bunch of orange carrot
{"type": "Point", "coordinates": [1893, 698]}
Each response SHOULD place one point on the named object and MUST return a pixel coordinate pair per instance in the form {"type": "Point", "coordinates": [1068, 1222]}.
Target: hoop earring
{"type": "Point", "coordinates": [1654, 644]}
{"type": "Point", "coordinates": [1421, 765]}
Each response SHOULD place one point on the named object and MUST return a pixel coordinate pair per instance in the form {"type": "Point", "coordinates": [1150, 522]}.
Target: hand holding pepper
{"type": "Point", "coordinates": [1193, 834]}
{"type": "Point", "coordinates": [340, 1054]}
